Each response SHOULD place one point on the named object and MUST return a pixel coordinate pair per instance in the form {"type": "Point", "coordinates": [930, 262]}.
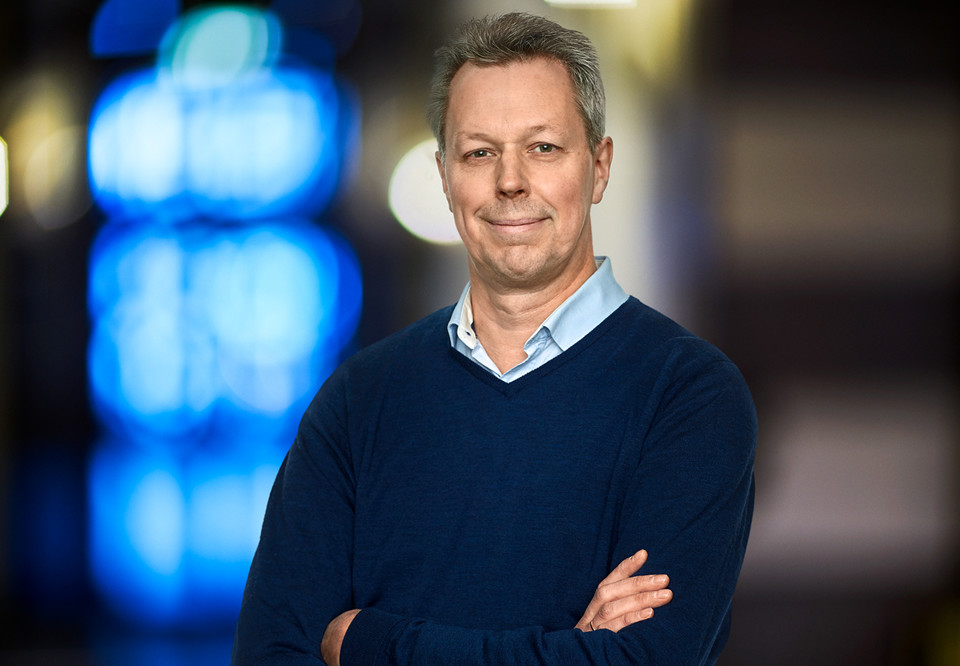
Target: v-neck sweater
{"type": "Point", "coordinates": [472, 519]}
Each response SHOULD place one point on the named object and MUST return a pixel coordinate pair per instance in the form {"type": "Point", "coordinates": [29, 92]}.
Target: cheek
{"type": "Point", "coordinates": [572, 200]}
{"type": "Point", "coordinates": [459, 192]}
{"type": "Point", "coordinates": [460, 206]}
{"type": "Point", "coordinates": [574, 188]}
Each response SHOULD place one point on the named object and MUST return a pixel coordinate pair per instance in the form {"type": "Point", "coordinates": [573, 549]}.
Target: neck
{"type": "Point", "coordinates": [505, 319]}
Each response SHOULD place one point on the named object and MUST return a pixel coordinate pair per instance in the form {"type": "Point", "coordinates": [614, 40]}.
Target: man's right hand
{"type": "Point", "coordinates": [622, 599]}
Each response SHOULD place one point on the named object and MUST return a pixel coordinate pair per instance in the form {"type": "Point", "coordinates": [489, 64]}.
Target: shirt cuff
{"type": "Point", "coordinates": [365, 636]}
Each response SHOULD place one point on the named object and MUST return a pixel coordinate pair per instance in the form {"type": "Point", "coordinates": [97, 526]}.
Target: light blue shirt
{"type": "Point", "coordinates": [594, 301]}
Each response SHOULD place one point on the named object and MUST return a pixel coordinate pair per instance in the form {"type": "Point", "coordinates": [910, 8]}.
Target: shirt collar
{"type": "Point", "coordinates": [594, 301]}
{"type": "Point", "coordinates": [461, 321]}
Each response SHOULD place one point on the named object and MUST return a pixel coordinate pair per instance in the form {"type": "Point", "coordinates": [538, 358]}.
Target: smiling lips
{"type": "Point", "coordinates": [522, 222]}
{"type": "Point", "coordinates": [507, 221]}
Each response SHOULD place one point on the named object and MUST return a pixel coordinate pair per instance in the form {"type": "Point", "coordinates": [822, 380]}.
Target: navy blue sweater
{"type": "Point", "coordinates": [472, 519]}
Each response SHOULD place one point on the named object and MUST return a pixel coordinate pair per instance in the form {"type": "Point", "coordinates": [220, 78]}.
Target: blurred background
{"type": "Point", "coordinates": [205, 206]}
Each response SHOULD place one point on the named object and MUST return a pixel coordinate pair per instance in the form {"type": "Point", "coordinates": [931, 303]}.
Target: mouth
{"type": "Point", "coordinates": [515, 224]}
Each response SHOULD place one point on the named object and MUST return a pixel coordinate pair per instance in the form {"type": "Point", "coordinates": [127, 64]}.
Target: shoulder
{"type": "Point", "coordinates": [414, 345]}
{"type": "Point", "coordinates": [674, 355]}
{"type": "Point", "coordinates": [656, 335]}
{"type": "Point", "coordinates": [690, 385]}
{"type": "Point", "coordinates": [425, 336]}
{"type": "Point", "coordinates": [365, 375]}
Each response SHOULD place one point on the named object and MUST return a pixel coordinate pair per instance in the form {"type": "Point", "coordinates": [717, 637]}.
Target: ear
{"type": "Point", "coordinates": [602, 158]}
{"type": "Point", "coordinates": [443, 179]}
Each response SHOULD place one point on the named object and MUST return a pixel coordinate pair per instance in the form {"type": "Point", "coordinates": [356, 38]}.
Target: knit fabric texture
{"type": "Point", "coordinates": [472, 519]}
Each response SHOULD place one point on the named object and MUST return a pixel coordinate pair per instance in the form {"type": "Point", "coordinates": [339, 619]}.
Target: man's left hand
{"type": "Point", "coordinates": [333, 637]}
{"type": "Point", "coordinates": [623, 599]}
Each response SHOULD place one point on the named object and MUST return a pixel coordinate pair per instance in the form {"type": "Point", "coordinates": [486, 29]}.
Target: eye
{"type": "Point", "coordinates": [476, 154]}
{"type": "Point", "coordinates": [545, 148]}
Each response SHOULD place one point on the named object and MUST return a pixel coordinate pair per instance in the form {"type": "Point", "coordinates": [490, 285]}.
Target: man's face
{"type": "Point", "coordinates": [519, 174]}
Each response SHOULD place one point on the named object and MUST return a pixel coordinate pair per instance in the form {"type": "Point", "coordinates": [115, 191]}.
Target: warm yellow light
{"type": "Point", "coordinates": [54, 188]}
{"type": "Point", "coordinates": [593, 4]}
{"type": "Point", "coordinates": [416, 196]}
{"type": "Point", "coordinates": [653, 35]}
{"type": "Point", "coordinates": [4, 177]}
{"type": "Point", "coordinates": [47, 167]}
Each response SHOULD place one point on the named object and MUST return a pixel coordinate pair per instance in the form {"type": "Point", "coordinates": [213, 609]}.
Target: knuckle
{"type": "Point", "coordinates": [653, 581]}
{"type": "Point", "coordinates": [605, 612]}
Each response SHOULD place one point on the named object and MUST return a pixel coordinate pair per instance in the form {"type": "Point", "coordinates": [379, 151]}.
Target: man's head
{"type": "Point", "coordinates": [521, 169]}
{"type": "Point", "coordinates": [516, 37]}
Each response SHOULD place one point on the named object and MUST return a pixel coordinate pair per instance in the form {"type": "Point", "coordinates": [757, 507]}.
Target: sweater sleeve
{"type": "Point", "coordinates": [300, 578]}
{"type": "Point", "coordinates": [689, 504]}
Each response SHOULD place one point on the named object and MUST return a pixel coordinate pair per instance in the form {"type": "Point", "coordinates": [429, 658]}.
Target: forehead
{"type": "Point", "coordinates": [538, 91]}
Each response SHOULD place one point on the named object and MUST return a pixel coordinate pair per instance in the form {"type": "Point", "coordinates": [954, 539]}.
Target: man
{"type": "Point", "coordinates": [457, 490]}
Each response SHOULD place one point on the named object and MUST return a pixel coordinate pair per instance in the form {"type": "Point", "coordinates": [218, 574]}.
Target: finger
{"type": "Point", "coordinates": [622, 621]}
{"type": "Point", "coordinates": [625, 606]}
{"type": "Point", "coordinates": [623, 572]}
{"type": "Point", "coordinates": [631, 586]}
{"type": "Point", "coordinates": [627, 567]}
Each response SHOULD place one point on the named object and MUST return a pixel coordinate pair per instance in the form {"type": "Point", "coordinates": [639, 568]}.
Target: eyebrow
{"type": "Point", "coordinates": [483, 136]}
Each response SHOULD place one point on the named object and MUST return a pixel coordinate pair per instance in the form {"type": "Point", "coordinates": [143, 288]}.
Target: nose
{"type": "Point", "coordinates": [511, 175]}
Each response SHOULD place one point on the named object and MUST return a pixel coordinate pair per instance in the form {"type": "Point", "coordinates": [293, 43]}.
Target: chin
{"type": "Point", "coordinates": [526, 274]}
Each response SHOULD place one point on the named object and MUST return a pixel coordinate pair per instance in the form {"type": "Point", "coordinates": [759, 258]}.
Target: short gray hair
{"type": "Point", "coordinates": [500, 40]}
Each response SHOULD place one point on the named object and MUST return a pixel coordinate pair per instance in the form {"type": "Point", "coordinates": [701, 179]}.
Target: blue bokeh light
{"type": "Point", "coordinates": [217, 308]}
{"type": "Point", "coordinates": [218, 46]}
{"type": "Point", "coordinates": [138, 573]}
{"type": "Point", "coordinates": [270, 145]}
{"type": "Point", "coordinates": [171, 536]}
{"type": "Point", "coordinates": [197, 326]}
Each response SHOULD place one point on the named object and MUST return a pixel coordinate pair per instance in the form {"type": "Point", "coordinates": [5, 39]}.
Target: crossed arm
{"type": "Point", "coordinates": [690, 503]}
{"type": "Point", "coordinates": [621, 599]}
